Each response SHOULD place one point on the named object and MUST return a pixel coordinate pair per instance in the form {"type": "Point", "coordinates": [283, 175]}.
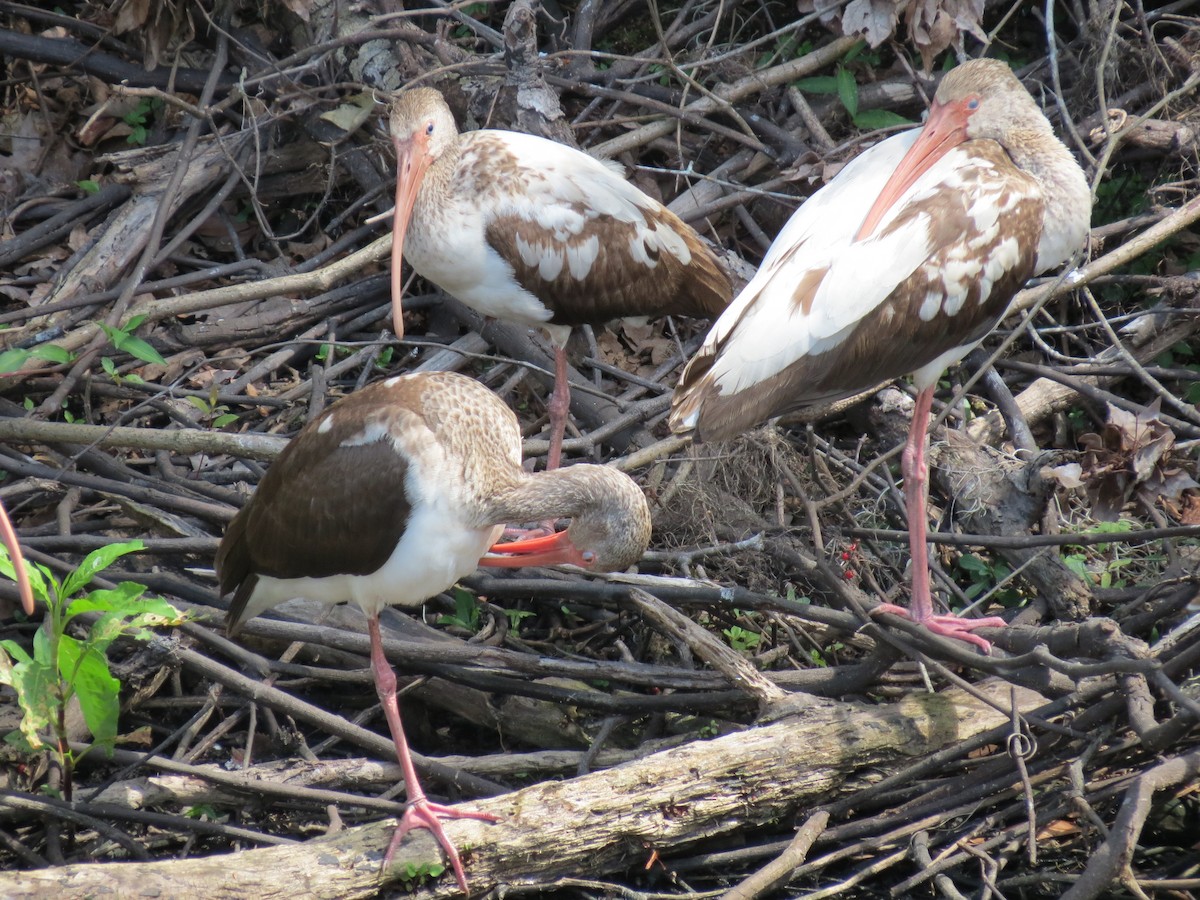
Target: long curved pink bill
{"type": "Point", "coordinates": [548, 550]}
{"type": "Point", "coordinates": [943, 130]}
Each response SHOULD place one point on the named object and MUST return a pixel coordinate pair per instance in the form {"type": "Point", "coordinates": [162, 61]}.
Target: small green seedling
{"type": "Point", "coordinates": [466, 611]}
{"type": "Point", "coordinates": [742, 639]}
{"type": "Point", "coordinates": [415, 875]}
{"type": "Point", "coordinates": [64, 667]}
{"type": "Point", "coordinates": [124, 340]}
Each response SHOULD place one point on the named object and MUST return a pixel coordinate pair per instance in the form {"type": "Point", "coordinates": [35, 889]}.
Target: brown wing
{"type": "Point", "coordinates": [928, 314]}
{"type": "Point", "coordinates": [616, 283]}
{"type": "Point", "coordinates": [581, 238]}
{"type": "Point", "coordinates": [322, 508]}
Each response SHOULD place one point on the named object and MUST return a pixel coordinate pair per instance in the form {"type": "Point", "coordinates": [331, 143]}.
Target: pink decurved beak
{"type": "Point", "coordinates": [412, 159]}
{"type": "Point", "coordinates": [945, 129]}
{"type": "Point", "coordinates": [550, 550]}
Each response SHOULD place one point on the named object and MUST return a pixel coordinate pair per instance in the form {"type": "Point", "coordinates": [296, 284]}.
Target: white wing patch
{"type": "Point", "coordinates": [766, 328]}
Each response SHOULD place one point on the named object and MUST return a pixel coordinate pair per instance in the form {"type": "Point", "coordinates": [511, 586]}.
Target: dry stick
{"type": "Point", "coordinates": [180, 440]}
{"type": "Point", "coordinates": [723, 95]}
{"type": "Point", "coordinates": [590, 823]}
{"type": "Point", "coordinates": [156, 309]}
{"type": "Point", "coordinates": [739, 670]}
{"type": "Point", "coordinates": [988, 429]}
{"type": "Point", "coordinates": [779, 870]}
{"type": "Point", "coordinates": [1114, 856]}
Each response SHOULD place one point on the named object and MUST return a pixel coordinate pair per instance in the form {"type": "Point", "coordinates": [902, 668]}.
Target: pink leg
{"type": "Point", "coordinates": [916, 502]}
{"type": "Point", "coordinates": [13, 543]}
{"type": "Point", "coordinates": [558, 406]}
{"type": "Point", "coordinates": [420, 813]}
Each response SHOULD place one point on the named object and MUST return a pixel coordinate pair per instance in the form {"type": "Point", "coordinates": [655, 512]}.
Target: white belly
{"type": "Point", "coordinates": [435, 551]}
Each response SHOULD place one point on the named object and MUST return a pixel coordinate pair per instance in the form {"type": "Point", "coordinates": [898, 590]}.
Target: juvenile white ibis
{"type": "Point", "coordinates": [525, 229]}
{"type": "Point", "coordinates": [902, 264]}
{"type": "Point", "coordinates": [393, 494]}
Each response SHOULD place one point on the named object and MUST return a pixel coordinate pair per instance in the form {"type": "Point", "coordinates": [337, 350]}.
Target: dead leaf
{"type": "Point", "coordinates": [933, 25]}
{"type": "Point", "coordinates": [1067, 475]}
{"type": "Point", "coordinates": [1131, 456]}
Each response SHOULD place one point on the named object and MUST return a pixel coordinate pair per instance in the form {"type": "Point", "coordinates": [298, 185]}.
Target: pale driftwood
{"type": "Point", "coordinates": [591, 824]}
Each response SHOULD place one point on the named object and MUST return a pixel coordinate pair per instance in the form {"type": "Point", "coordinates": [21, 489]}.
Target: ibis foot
{"type": "Point", "coordinates": [424, 814]}
{"type": "Point", "coordinates": [950, 626]}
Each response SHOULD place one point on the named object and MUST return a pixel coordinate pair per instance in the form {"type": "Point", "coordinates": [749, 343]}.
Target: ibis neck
{"type": "Point", "coordinates": [439, 178]}
{"type": "Point", "coordinates": [1067, 215]}
{"type": "Point", "coordinates": [571, 492]}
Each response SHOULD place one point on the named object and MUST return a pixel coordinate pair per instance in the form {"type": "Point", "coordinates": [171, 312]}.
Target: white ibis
{"type": "Point", "coordinates": [902, 264]}
{"type": "Point", "coordinates": [525, 229]}
{"type": "Point", "coordinates": [393, 494]}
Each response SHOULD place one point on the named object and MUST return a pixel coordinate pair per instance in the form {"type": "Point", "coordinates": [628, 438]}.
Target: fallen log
{"type": "Point", "coordinates": [597, 823]}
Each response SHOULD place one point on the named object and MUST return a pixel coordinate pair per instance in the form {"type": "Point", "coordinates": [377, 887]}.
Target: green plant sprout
{"type": "Point", "coordinates": [137, 118]}
{"type": "Point", "coordinates": [846, 88]}
{"type": "Point", "coordinates": [742, 639]}
{"type": "Point", "coordinates": [466, 611]}
{"type": "Point", "coordinates": [216, 414]}
{"type": "Point", "coordinates": [11, 360]}
{"type": "Point", "coordinates": [64, 667]}
{"type": "Point", "coordinates": [124, 340]}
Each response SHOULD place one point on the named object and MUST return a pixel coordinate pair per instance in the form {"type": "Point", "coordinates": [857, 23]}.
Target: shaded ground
{"type": "Point", "coordinates": [226, 192]}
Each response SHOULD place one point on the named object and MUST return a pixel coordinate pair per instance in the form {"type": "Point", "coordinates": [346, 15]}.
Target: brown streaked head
{"type": "Point", "coordinates": [979, 99]}
{"type": "Point", "coordinates": [609, 531]}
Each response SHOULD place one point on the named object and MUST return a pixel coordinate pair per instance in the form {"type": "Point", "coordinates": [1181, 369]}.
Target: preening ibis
{"type": "Point", "coordinates": [394, 493]}
{"type": "Point", "coordinates": [902, 264]}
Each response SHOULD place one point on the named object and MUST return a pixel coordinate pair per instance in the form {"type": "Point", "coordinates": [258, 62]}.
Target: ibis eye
{"type": "Point", "coordinates": [589, 556]}
{"type": "Point", "coordinates": [429, 127]}
{"type": "Point", "coordinates": [973, 103]}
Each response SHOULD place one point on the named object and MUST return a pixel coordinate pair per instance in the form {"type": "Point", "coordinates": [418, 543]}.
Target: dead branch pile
{"type": "Point", "coordinates": [207, 179]}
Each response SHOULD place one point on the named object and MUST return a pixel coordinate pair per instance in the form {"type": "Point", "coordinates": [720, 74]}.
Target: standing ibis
{"type": "Point", "coordinates": [902, 264]}
{"type": "Point", "coordinates": [393, 494]}
{"type": "Point", "coordinates": [526, 229]}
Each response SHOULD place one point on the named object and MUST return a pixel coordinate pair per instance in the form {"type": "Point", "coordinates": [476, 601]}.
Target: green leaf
{"type": "Point", "coordinates": [133, 323]}
{"type": "Point", "coordinates": [1077, 563]}
{"type": "Point", "coordinates": [853, 52]}
{"type": "Point", "coordinates": [116, 336]}
{"type": "Point", "coordinates": [124, 599]}
{"type": "Point", "coordinates": [871, 119]}
{"type": "Point", "coordinates": [109, 367]}
{"type": "Point", "coordinates": [819, 84]}
{"type": "Point", "coordinates": [847, 90]}
{"type": "Point", "coordinates": [34, 573]}
{"type": "Point", "coordinates": [12, 360]}
{"type": "Point", "coordinates": [88, 186]}
{"type": "Point", "coordinates": [15, 651]}
{"type": "Point", "coordinates": [98, 691]}
{"type": "Point", "coordinates": [53, 353]}
{"type": "Point", "coordinates": [199, 402]}
{"type": "Point", "coordinates": [223, 420]}
{"type": "Point", "coordinates": [143, 350]}
{"type": "Point", "coordinates": [969, 562]}
{"type": "Point", "coordinates": [97, 561]}
{"type": "Point", "coordinates": [36, 685]}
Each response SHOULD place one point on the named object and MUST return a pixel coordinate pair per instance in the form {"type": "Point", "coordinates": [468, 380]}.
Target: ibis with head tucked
{"type": "Point", "coordinates": [390, 496]}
